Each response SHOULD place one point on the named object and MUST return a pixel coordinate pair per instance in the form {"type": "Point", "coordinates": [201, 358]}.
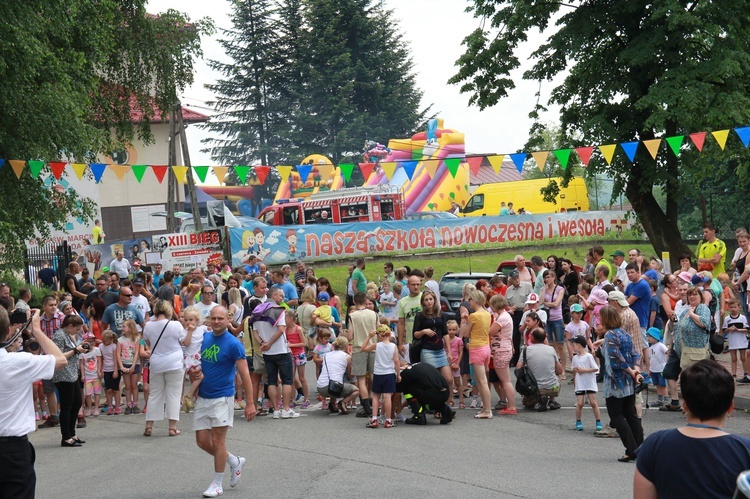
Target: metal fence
{"type": "Point", "coordinates": [57, 256]}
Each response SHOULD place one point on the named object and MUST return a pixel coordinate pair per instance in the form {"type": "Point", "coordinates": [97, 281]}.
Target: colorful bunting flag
{"type": "Point", "coordinates": [409, 167]}
{"type": "Point", "coordinates": [138, 171]}
{"type": "Point", "coordinates": [57, 167]}
{"type": "Point", "coordinates": [563, 156]}
{"type": "Point", "coordinates": [431, 167]}
{"type": "Point", "coordinates": [518, 159]}
{"type": "Point", "coordinates": [744, 134]}
{"type": "Point", "coordinates": [201, 171]}
{"type": "Point", "coordinates": [242, 172]}
{"type": "Point", "coordinates": [698, 139]}
{"type": "Point", "coordinates": [541, 158]}
{"type": "Point", "coordinates": [630, 149]}
{"type": "Point", "coordinates": [180, 173]}
{"type": "Point", "coordinates": [284, 172]}
{"type": "Point", "coordinates": [79, 168]}
{"type": "Point", "coordinates": [325, 170]}
{"type": "Point", "coordinates": [475, 162]}
{"type": "Point", "coordinates": [98, 170]}
{"type": "Point", "coordinates": [35, 166]}
{"type": "Point", "coordinates": [2, 162]}
{"type": "Point", "coordinates": [366, 169]}
{"type": "Point", "coordinates": [221, 172]}
{"type": "Point", "coordinates": [160, 171]}
{"type": "Point", "coordinates": [389, 168]}
{"type": "Point", "coordinates": [496, 162]}
{"type": "Point", "coordinates": [721, 137]}
{"type": "Point", "coordinates": [119, 170]}
{"type": "Point", "coordinates": [585, 154]}
{"type": "Point", "coordinates": [17, 165]}
{"type": "Point", "coordinates": [652, 146]}
{"type": "Point", "coordinates": [346, 170]}
{"type": "Point", "coordinates": [452, 165]}
{"type": "Point", "coordinates": [608, 151]}
{"type": "Point", "coordinates": [675, 143]}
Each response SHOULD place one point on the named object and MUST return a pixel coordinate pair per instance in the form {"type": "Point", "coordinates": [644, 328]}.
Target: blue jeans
{"type": "Point", "coordinates": [555, 331]}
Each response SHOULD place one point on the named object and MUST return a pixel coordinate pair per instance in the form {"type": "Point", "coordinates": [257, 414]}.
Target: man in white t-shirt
{"type": "Point", "coordinates": [139, 301]}
{"type": "Point", "coordinates": [207, 302]}
{"type": "Point", "coordinates": [18, 372]}
{"type": "Point", "coordinates": [120, 265]}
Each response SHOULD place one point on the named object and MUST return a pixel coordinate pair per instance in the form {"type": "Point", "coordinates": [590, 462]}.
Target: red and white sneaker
{"type": "Point", "coordinates": [213, 490]}
{"type": "Point", "coordinates": [236, 472]}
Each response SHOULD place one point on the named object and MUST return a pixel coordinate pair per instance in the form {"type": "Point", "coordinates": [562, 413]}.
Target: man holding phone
{"type": "Point", "coordinates": [18, 371]}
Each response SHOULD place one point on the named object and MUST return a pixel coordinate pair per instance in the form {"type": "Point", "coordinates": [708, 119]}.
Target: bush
{"type": "Point", "coordinates": [37, 293]}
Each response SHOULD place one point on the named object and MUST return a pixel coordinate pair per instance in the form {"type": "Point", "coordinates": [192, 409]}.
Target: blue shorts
{"type": "Point", "coordinates": [435, 358]}
{"type": "Point", "coordinates": [384, 383]}
{"type": "Point", "coordinates": [279, 365]}
{"type": "Point", "coordinates": [555, 331]}
{"type": "Point", "coordinates": [658, 380]}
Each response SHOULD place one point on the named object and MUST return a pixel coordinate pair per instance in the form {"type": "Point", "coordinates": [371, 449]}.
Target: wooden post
{"type": "Point", "coordinates": [171, 178]}
{"type": "Point", "coordinates": [186, 162]}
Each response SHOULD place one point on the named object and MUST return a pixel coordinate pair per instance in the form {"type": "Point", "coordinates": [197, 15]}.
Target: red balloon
{"type": "Point", "coordinates": [442, 195]}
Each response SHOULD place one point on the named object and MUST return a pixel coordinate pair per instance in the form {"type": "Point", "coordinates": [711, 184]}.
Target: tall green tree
{"type": "Point", "coordinates": [72, 72]}
{"type": "Point", "coordinates": [632, 70]}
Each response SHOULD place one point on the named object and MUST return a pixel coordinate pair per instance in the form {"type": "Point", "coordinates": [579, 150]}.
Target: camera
{"type": "Point", "coordinates": [86, 346]}
{"type": "Point", "coordinates": [31, 346]}
{"type": "Point", "coordinates": [640, 386]}
{"type": "Point", "coordinates": [17, 317]}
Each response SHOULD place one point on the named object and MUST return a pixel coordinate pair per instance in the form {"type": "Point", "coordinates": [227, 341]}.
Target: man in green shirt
{"type": "Point", "coordinates": [712, 252]}
{"type": "Point", "coordinates": [408, 308]}
{"type": "Point", "coordinates": [97, 232]}
{"type": "Point", "coordinates": [359, 282]}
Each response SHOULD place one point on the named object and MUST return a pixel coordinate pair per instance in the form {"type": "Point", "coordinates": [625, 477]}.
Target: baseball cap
{"type": "Point", "coordinates": [533, 298]}
{"type": "Point", "coordinates": [323, 296]}
{"type": "Point", "coordinates": [652, 274]}
{"type": "Point", "coordinates": [618, 253]}
{"type": "Point", "coordinates": [105, 270]}
{"type": "Point", "coordinates": [512, 274]}
{"type": "Point", "coordinates": [580, 340]}
{"type": "Point", "coordinates": [698, 279]}
{"type": "Point", "coordinates": [619, 298]}
{"type": "Point", "coordinates": [138, 281]}
{"type": "Point", "coordinates": [576, 307]}
{"type": "Point", "coordinates": [685, 276]}
{"type": "Point", "coordinates": [88, 336]}
{"type": "Point", "coordinates": [654, 333]}
{"type": "Point", "coordinates": [599, 296]}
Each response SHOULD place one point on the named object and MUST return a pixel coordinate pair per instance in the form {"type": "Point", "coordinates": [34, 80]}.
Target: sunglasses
{"type": "Point", "coordinates": [208, 293]}
{"type": "Point", "coordinates": [128, 296]}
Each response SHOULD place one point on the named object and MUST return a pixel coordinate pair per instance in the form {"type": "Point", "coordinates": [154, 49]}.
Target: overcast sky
{"type": "Point", "coordinates": [433, 31]}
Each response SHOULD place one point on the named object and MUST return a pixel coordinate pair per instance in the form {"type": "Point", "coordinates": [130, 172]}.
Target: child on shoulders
{"type": "Point", "coordinates": [191, 340]}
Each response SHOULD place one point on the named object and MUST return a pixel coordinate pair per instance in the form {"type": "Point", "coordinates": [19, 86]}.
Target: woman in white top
{"type": "Point", "coordinates": [235, 305]}
{"type": "Point", "coordinates": [334, 366]}
{"type": "Point", "coordinates": [165, 371]}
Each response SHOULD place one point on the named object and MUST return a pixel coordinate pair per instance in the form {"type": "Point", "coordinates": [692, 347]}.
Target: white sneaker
{"type": "Point", "coordinates": [236, 472]}
{"type": "Point", "coordinates": [287, 414]}
{"type": "Point", "coordinates": [474, 403]}
{"type": "Point", "coordinates": [400, 417]}
{"type": "Point", "coordinates": [213, 490]}
{"type": "Point", "coordinates": [276, 414]}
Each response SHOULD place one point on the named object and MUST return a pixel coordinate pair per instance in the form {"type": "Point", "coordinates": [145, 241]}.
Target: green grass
{"type": "Point", "coordinates": [463, 261]}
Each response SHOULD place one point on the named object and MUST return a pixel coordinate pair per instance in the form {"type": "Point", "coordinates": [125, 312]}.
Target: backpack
{"type": "Point", "coordinates": [267, 312]}
{"type": "Point", "coordinates": [525, 380]}
{"type": "Point", "coordinates": [712, 308]}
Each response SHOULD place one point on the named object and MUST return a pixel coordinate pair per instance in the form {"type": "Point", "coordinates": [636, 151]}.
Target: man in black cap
{"type": "Point", "coordinates": [425, 389]}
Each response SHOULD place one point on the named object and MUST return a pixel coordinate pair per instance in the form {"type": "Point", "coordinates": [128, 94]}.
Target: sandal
{"type": "Point", "coordinates": [342, 408]}
{"type": "Point", "coordinates": [483, 415]}
{"type": "Point", "coordinates": [174, 432]}
{"type": "Point", "coordinates": [438, 415]}
{"type": "Point", "coordinates": [462, 406]}
{"type": "Point", "coordinates": [147, 432]}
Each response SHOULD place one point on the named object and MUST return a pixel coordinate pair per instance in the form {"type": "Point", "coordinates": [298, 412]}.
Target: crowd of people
{"type": "Point", "coordinates": [185, 341]}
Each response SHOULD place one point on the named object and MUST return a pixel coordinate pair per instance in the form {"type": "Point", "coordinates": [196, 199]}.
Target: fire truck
{"type": "Point", "coordinates": [355, 204]}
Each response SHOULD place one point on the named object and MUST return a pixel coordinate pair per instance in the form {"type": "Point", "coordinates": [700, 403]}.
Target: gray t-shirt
{"type": "Point", "coordinates": [541, 359]}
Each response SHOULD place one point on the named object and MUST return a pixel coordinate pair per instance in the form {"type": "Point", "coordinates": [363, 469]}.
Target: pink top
{"type": "Point", "coordinates": [295, 337]}
{"type": "Point", "coordinates": [456, 345]}
{"type": "Point", "coordinates": [503, 342]}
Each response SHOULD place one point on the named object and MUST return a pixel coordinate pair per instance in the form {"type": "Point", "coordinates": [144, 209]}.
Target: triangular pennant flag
{"type": "Point", "coordinates": [120, 170]}
{"type": "Point", "coordinates": [652, 146]}
{"type": "Point", "coordinates": [563, 156]}
{"type": "Point", "coordinates": [698, 138]}
{"type": "Point", "coordinates": [452, 165]}
{"type": "Point", "coordinates": [630, 149]}
{"type": "Point", "coordinates": [201, 171]}
{"type": "Point", "coordinates": [475, 162]}
{"type": "Point", "coordinates": [284, 171]}
{"type": "Point", "coordinates": [496, 161]}
{"type": "Point", "coordinates": [180, 172]}
{"type": "Point", "coordinates": [389, 168]}
{"type": "Point", "coordinates": [409, 167]}
{"type": "Point", "coordinates": [98, 170]}
{"type": "Point", "coordinates": [241, 172]}
{"type": "Point", "coordinates": [518, 159]}
{"type": "Point", "coordinates": [2, 162]}
{"type": "Point", "coordinates": [431, 167]}
{"type": "Point", "coordinates": [721, 137]}
{"type": "Point", "coordinates": [304, 172]}
{"type": "Point", "coordinates": [160, 171]}
{"type": "Point", "coordinates": [221, 172]}
{"type": "Point", "coordinates": [57, 167]}
{"type": "Point", "coordinates": [79, 168]}
{"type": "Point", "coordinates": [541, 158]}
{"type": "Point", "coordinates": [675, 143]}
{"type": "Point", "coordinates": [608, 151]}
{"type": "Point", "coordinates": [366, 169]}
{"type": "Point", "coordinates": [17, 165]}
{"type": "Point", "coordinates": [585, 154]}
{"type": "Point", "coordinates": [346, 170]}
{"type": "Point", "coordinates": [744, 134]}
{"type": "Point", "coordinates": [138, 171]}
{"type": "Point", "coordinates": [262, 173]}
{"type": "Point", "coordinates": [35, 166]}
{"type": "Point", "coordinates": [325, 170]}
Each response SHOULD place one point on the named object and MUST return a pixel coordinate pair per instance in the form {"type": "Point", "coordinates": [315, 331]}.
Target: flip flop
{"type": "Point", "coordinates": [174, 432]}
{"type": "Point", "coordinates": [482, 415]}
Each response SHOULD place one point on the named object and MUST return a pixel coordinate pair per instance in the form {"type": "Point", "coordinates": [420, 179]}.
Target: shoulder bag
{"type": "Point", "coordinates": [335, 388]}
{"type": "Point", "coordinates": [525, 380]}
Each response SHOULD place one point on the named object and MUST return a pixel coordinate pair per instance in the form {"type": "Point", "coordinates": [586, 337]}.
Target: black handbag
{"type": "Point", "coordinates": [525, 380]}
{"type": "Point", "coordinates": [335, 388]}
{"type": "Point", "coordinates": [716, 343]}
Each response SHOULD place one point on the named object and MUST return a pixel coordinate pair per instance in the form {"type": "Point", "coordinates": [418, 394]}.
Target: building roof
{"type": "Point", "coordinates": [487, 175]}
{"type": "Point", "coordinates": [188, 115]}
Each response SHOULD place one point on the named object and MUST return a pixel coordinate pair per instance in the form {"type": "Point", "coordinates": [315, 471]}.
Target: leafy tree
{"type": "Point", "coordinates": [633, 70]}
{"type": "Point", "coordinates": [71, 74]}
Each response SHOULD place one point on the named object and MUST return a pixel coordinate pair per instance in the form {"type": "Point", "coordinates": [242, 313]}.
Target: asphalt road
{"type": "Point", "coordinates": [320, 455]}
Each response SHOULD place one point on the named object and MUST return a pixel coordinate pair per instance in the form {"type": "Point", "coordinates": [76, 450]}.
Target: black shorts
{"type": "Point", "coordinates": [672, 368]}
{"type": "Point", "coordinates": [463, 366]}
{"type": "Point", "coordinates": [110, 382]}
{"type": "Point", "coordinates": [384, 383]}
{"type": "Point", "coordinates": [48, 386]}
{"type": "Point", "coordinates": [279, 365]}
{"type": "Point", "coordinates": [492, 377]}
{"type": "Point", "coordinates": [585, 392]}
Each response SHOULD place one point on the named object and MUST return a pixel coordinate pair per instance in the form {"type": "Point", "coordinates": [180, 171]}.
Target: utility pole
{"type": "Point", "coordinates": [171, 179]}
{"type": "Point", "coordinates": [186, 162]}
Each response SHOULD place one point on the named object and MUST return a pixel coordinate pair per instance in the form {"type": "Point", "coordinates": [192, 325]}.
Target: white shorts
{"type": "Point", "coordinates": [213, 413]}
